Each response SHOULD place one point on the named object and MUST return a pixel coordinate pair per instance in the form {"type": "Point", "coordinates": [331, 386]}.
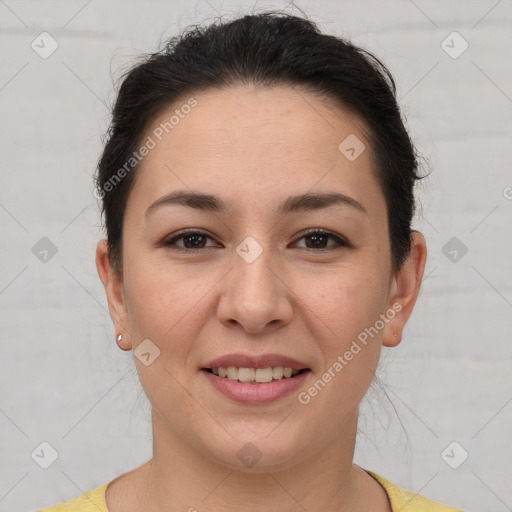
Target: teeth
{"type": "Point", "coordinates": [263, 375]}
{"type": "Point", "coordinates": [278, 372]}
{"type": "Point", "coordinates": [246, 374]}
{"type": "Point", "coordinates": [255, 374]}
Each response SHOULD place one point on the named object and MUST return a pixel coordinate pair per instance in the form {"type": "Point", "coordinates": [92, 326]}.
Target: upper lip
{"type": "Point", "coordinates": [261, 361]}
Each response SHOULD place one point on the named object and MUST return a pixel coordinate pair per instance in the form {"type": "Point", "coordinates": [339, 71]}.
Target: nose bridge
{"type": "Point", "coordinates": [254, 296]}
{"type": "Point", "coordinates": [253, 282]}
{"type": "Point", "coordinates": [252, 264]}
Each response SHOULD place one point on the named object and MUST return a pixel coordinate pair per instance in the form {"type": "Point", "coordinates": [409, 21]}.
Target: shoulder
{"type": "Point", "coordinates": [90, 501]}
{"type": "Point", "coordinates": [407, 501]}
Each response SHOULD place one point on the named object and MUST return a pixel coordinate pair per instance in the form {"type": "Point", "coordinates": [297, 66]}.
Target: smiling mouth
{"type": "Point", "coordinates": [256, 375]}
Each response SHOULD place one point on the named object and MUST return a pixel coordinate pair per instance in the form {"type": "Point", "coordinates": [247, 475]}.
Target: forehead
{"type": "Point", "coordinates": [243, 117]}
{"type": "Point", "coordinates": [255, 146]}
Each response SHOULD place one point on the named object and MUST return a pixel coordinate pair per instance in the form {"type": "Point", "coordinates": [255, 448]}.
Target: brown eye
{"type": "Point", "coordinates": [192, 240]}
{"type": "Point", "coordinates": [318, 239]}
{"type": "Point", "coordinates": [195, 240]}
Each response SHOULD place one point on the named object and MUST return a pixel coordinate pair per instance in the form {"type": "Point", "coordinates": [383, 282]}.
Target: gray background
{"type": "Point", "coordinates": [62, 378]}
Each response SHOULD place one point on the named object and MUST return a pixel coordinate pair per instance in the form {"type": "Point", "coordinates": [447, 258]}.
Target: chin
{"type": "Point", "coordinates": [257, 453]}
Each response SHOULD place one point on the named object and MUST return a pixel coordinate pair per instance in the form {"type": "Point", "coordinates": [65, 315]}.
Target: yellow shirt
{"type": "Point", "coordinates": [400, 499]}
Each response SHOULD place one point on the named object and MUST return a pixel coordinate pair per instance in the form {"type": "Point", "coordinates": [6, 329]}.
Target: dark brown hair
{"type": "Point", "coordinates": [271, 48]}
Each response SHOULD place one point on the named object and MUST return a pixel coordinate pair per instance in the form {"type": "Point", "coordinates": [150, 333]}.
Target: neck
{"type": "Point", "coordinates": [182, 477]}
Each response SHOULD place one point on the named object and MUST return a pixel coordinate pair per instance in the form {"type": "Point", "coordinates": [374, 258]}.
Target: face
{"type": "Point", "coordinates": [250, 279]}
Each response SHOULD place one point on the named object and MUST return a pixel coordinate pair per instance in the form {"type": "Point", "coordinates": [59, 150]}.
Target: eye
{"type": "Point", "coordinates": [192, 240]}
{"type": "Point", "coordinates": [318, 237]}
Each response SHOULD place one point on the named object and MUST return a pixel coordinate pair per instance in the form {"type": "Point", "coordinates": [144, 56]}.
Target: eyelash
{"type": "Point", "coordinates": [340, 241]}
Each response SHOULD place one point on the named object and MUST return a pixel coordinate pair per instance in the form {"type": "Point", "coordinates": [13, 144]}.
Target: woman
{"type": "Point", "coordinates": [257, 187]}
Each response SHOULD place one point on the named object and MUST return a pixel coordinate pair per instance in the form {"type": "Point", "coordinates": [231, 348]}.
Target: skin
{"type": "Point", "coordinates": [254, 148]}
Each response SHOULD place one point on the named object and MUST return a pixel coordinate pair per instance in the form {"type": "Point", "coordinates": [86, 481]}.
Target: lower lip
{"type": "Point", "coordinates": [256, 393]}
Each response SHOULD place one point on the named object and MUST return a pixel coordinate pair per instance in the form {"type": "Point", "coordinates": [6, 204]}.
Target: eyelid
{"type": "Point", "coordinates": [168, 241]}
{"type": "Point", "coordinates": [340, 240]}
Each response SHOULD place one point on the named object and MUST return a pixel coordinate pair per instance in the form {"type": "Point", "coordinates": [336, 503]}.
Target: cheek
{"type": "Point", "coordinates": [345, 302]}
{"type": "Point", "coordinates": [165, 307]}
{"type": "Point", "coordinates": [165, 303]}
{"type": "Point", "coordinates": [346, 312]}
{"type": "Point", "coordinates": [342, 312]}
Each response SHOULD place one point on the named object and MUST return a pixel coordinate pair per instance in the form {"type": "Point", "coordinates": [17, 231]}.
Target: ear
{"type": "Point", "coordinates": [113, 284]}
{"type": "Point", "coordinates": [405, 287]}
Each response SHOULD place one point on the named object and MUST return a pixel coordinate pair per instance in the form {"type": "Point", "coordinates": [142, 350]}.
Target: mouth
{"type": "Point", "coordinates": [256, 379]}
{"type": "Point", "coordinates": [264, 375]}
{"type": "Point", "coordinates": [252, 386]}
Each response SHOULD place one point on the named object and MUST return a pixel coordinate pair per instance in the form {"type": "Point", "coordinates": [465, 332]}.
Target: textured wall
{"type": "Point", "coordinates": [63, 380]}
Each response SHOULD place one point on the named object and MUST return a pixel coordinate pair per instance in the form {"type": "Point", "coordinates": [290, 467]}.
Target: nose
{"type": "Point", "coordinates": [254, 296]}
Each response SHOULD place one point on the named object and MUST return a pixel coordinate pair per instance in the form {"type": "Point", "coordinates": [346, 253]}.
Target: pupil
{"type": "Point", "coordinates": [194, 237]}
{"type": "Point", "coordinates": [316, 238]}
{"type": "Point", "coordinates": [197, 237]}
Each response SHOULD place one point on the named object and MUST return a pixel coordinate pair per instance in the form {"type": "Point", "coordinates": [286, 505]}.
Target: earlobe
{"type": "Point", "coordinates": [113, 286]}
{"type": "Point", "coordinates": [404, 290]}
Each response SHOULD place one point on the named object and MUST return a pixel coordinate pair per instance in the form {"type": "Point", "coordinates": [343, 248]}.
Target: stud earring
{"type": "Point", "coordinates": [120, 337]}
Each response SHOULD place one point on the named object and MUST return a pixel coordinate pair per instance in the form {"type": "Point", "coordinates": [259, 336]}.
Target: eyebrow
{"type": "Point", "coordinates": [300, 203]}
